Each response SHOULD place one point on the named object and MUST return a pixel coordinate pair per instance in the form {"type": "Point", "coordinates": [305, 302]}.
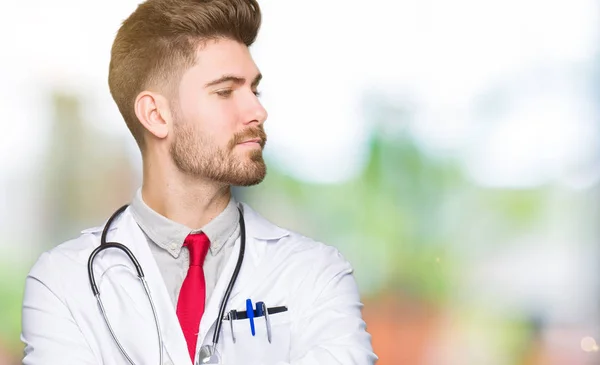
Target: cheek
{"type": "Point", "coordinates": [189, 107]}
{"type": "Point", "coordinates": [218, 119]}
{"type": "Point", "coordinates": [214, 118]}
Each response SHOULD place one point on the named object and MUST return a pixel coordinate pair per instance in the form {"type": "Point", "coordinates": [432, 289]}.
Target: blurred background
{"type": "Point", "coordinates": [449, 149]}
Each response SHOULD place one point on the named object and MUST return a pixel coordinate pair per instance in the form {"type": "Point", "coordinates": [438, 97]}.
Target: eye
{"type": "Point", "coordinates": [224, 93]}
{"type": "Point", "coordinates": [257, 93]}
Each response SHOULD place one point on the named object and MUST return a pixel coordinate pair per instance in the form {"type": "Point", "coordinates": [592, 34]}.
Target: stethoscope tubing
{"type": "Point", "coordinates": [140, 273]}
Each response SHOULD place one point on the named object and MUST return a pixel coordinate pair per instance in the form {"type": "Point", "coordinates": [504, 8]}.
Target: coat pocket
{"type": "Point", "coordinates": [257, 350]}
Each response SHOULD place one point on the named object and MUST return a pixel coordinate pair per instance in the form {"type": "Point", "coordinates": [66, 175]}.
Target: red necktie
{"type": "Point", "coordinates": [190, 305]}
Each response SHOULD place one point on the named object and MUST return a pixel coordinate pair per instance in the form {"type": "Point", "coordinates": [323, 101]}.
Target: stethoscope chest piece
{"type": "Point", "coordinates": [208, 355]}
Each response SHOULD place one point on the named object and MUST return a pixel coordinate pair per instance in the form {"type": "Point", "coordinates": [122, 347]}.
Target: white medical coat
{"type": "Point", "coordinates": [62, 324]}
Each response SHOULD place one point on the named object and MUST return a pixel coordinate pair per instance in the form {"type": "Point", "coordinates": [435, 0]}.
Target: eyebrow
{"type": "Point", "coordinates": [235, 79]}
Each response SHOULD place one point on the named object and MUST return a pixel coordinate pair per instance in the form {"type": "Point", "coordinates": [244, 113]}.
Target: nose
{"type": "Point", "coordinates": [257, 114]}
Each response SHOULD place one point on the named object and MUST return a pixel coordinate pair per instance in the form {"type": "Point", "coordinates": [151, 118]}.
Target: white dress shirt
{"type": "Point", "coordinates": [165, 238]}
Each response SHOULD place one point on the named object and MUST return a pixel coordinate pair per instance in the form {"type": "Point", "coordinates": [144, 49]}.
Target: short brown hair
{"type": "Point", "coordinates": [158, 42]}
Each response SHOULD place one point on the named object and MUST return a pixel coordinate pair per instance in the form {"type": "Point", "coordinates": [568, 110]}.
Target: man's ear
{"type": "Point", "coordinates": [153, 112]}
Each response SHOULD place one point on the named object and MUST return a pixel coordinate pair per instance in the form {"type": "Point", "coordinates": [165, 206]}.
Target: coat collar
{"type": "Point", "coordinates": [256, 225]}
{"type": "Point", "coordinates": [260, 228]}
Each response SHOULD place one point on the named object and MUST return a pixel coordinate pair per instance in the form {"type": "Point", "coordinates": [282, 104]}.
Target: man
{"type": "Point", "coordinates": [186, 85]}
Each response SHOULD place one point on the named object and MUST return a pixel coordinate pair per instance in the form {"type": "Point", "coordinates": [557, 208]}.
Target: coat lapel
{"type": "Point", "coordinates": [211, 311]}
{"type": "Point", "coordinates": [258, 233]}
{"type": "Point", "coordinates": [128, 233]}
{"type": "Point", "coordinates": [261, 236]}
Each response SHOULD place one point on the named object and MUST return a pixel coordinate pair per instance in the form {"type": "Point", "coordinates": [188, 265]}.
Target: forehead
{"type": "Point", "coordinates": [216, 58]}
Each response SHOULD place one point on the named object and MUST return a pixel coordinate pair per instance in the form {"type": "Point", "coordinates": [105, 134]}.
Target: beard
{"type": "Point", "coordinates": [195, 154]}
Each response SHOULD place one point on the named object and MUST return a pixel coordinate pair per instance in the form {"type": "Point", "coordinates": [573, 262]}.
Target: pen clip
{"type": "Point", "coordinates": [232, 316]}
{"type": "Point", "coordinates": [259, 309]}
{"type": "Point", "coordinates": [267, 321]}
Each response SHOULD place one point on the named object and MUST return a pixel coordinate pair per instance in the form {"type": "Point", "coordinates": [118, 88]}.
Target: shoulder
{"type": "Point", "coordinates": [311, 247]}
{"type": "Point", "coordinates": [66, 256]}
{"type": "Point", "coordinates": [58, 272]}
{"type": "Point", "coordinates": [69, 256]}
{"type": "Point", "coordinates": [313, 268]}
{"type": "Point", "coordinates": [295, 246]}
{"type": "Point", "coordinates": [320, 259]}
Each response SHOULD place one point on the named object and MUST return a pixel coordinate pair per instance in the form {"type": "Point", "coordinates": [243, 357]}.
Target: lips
{"type": "Point", "coordinates": [258, 141]}
{"type": "Point", "coordinates": [248, 137]}
{"type": "Point", "coordinates": [254, 140]}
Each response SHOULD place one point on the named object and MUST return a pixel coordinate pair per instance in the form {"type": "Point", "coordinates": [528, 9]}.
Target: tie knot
{"type": "Point", "coordinates": [198, 244]}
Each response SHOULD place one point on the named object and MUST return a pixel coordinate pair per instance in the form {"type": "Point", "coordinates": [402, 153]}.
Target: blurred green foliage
{"type": "Point", "coordinates": [407, 222]}
{"type": "Point", "coordinates": [12, 280]}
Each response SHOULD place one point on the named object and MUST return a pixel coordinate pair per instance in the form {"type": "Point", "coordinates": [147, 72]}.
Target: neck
{"type": "Point", "coordinates": [188, 200]}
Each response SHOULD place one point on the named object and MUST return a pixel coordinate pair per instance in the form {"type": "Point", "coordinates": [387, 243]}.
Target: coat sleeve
{"type": "Point", "coordinates": [49, 332]}
{"type": "Point", "coordinates": [330, 329]}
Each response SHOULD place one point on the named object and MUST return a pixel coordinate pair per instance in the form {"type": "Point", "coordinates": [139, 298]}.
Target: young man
{"type": "Point", "coordinates": [186, 85]}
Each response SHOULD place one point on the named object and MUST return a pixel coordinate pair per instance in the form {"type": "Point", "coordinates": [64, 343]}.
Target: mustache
{"type": "Point", "coordinates": [247, 134]}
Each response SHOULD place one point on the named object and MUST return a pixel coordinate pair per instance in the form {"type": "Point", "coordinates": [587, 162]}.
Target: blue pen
{"type": "Point", "coordinates": [250, 314]}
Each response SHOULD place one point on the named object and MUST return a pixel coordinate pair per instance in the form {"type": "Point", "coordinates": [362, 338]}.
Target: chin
{"type": "Point", "coordinates": [247, 181]}
{"type": "Point", "coordinates": [247, 173]}
{"type": "Point", "coordinates": [253, 177]}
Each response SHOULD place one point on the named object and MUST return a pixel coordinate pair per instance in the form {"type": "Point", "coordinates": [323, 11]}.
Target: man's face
{"type": "Point", "coordinates": [217, 118]}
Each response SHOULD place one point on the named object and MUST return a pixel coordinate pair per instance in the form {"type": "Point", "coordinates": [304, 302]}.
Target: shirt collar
{"type": "Point", "coordinates": [170, 235]}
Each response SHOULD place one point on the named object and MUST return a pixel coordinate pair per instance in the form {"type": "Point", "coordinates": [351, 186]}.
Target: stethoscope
{"type": "Point", "coordinates": [208, 353]}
